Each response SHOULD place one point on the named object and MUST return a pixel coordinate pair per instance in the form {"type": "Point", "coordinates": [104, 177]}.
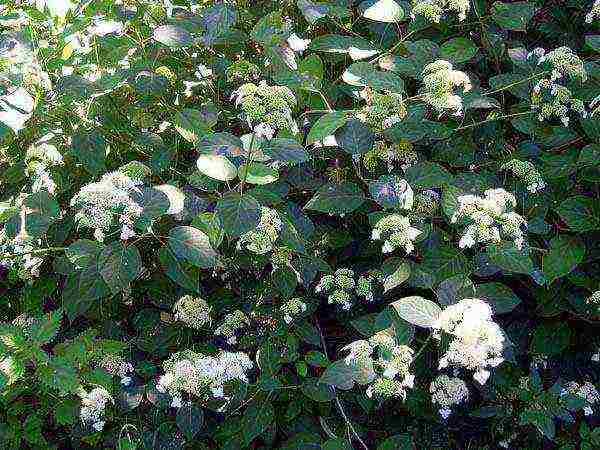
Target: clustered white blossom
{"type": "Point", "coordinates": [193, 311]}
{"type": "Point", "coordinates": [447, 392]}
{"type": "Point", "coordinates": [298, 44]}
{"type": "Point", "coordinates": [292, 308]}
{"type": "Point", "coordinates": [383, 110]}
{"type": "Point", "coordinates": [594, 12]}
{"type": "Point", "coordinates": [490, 216]}
{"type": "Point", "coordinates": [93, 404]}
{"type": "Point", "coordinates": [22, 262]}
{"type": "Point", "coordinates": [202, 74]}
{"type": "Point", "coordinates": [388, 373]}
{"type": "Point", "coordinates": [231, 325]}
{"type": "Point", "coordinates": [116, 365]}
{"type": "Point", "coordinates": [587, 391]}
{"type": "Point", "coordinates": [440, 81]}
{"type": "Point", "coordinates": [266, 108]}
{"type": "Point", "coordinates": [562, 61]}
{"type": "Point", "coordinates": [426, 203]}
{"type": "Point", "coordinates": [364, 285]}
{"type": "Point", "coordinates": [202, 376]}
{"type": "Point", "coordinates": [477, 341]}
{"type": "Point", "coordinates": [397, 232]}
{"type": "Point", "coordinates": [98, 204]}
{"type": "Point", "coordinates": [551, 99]}
{"type": "Point", "coordinates": [527, 173]}
{"type": "Point", "coordinates": [434, 10]}
{"type": "Point", "coordinates": [263, 237]}
{"type": "Point", "coordinates": [340, 286]}
{"type": "Point", "coordinates": [40, 157]}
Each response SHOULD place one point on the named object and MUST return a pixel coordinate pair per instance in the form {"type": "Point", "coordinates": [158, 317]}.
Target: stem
{"type": "Point", "coordinates": [250, 160]}
{"type": "Point", "coordinates": [494, 119]}
{"type": "Point", "coordinates": [423, 347]}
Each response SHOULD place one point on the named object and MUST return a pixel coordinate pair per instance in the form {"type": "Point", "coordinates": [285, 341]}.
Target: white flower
{"type": "Point", "coordinates": [439, 82]}
{"type": "Point", "coordinates": [264, 131]}
{"type": "Point", "coordinates": [594, 12]}
{"type": "Point", "coordinates": [298, 44]}
{"type": "Point", "coordinates": [102, 27]}
{"type": "Point", "coordinates": [398, 231]}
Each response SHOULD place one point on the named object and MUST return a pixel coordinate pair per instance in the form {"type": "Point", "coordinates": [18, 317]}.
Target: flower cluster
{"type": "Point", "coordinates": [527, 173]}
{"type": "Point", "coordinates": [477, 341]}
{"type": "Point", "coordinates": [594, 12]}
{"type": "Point", "coordinates": [116, 365]}
{"type": "Point", "coordinates": [266, 108]}
{"type": "Point", "coordinates": [340, 286]}
{"type": "Point", "coordinates": [242, 70]}
{"type": "Point", "coordinates": [21, 263]}
{"type": "Point", "coordinates": [93, 404]}
{"type": "Point", "coordinates": [551, 99]}
{"type": "Point", "coordinates": [98, 203]}
{"type": "Point", "coordinates": [193, 311]}
{"type": "Point", "coordinates": [434, 10]}
{"type": "Point", "coordinates": [402, 152]}
{"type": "Point", "coordinates": [202, 376]}
{"type": "Point", "coordinates": [426, 203]}
{"type": "Point", "coordinates": [364, 285]}
{"type": "Point", "coordinates": [396, 232]}
{"type": "Point", "coordinates": [490, 215]}
{"type": "Point", "coordinates": [292, 308]}
{"type": "Point", "coordinates": [440, 81]}
{"type": "Point", "coordinates": [586, 391]}
{"type": "Point", "coordinates": [231, 325]}
{"type": "Point", "coordinates": [382, 364]}
{"type": "Point", "coordinates": [263, 237]}
{"type": "Point", "coordinates": [446, 392]}
{"type": "Point", "coordinates": [382, 110]}
{"type": "Point", "coordinates": [562, 61]}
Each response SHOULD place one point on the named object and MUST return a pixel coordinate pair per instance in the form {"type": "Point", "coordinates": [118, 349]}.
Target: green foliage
{"type": "Point", "coordinates": [299, 224]}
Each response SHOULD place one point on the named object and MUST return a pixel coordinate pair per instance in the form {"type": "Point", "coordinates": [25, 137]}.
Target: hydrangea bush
{"type": "Point", "coordinates": [297, 224]}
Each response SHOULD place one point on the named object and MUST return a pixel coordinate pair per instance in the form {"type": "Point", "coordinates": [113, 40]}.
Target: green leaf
{"type": "Point", "coordinates": [593, 41]}
{"type": "Point", "coordinates": [458, 50]}
{"type": "Point", "coordinates": [193, 245]}
{"type": "Point", "coordinates": [191, 124]}
{"type": "Point", "coordinates": [508, 257]}
{"type": "Point", "coordinates": [336, 199]}
{"type": "Point", "coordinates": [427, 175]}
{"type": "Point", "coordinates": [396, 271]}
{"type": "Point", "coordinates": [513, 16]}
{"type": "Point", "coordinates": [563, 256]}
{"type": "Point", "coordinates": [355, 138]}
{"type": "Point", "coordinates": [239, 213]}
{"type": "Point", "coordinates": [189, 420]}
{"type": "Point", "coordinates": [258, 173]}
{"type": "Point", "coordinates": [257, 417]}
{"type": "Point", "coordinates": [90, 149]}
{"type": "Point", "coordinates": [285, 150]}
{"type": "Point", "coordinates": [501, 298]}
{"type": "Point", "coordinates": [46, 330]}
{"type": "Point", "coordinates": [338, 374]}
{"type": "Point", "coordinates": [550, 338]}
{"type": "Point", "coordinates": [327, 125]}
{"type": "Point", "coordinates": [317, 391]}
{"type": "Point", "coordinates": [172, 36]}
{"type": "Point", "coordinates": [417, 310]}
{"type": "Point", "coordinates": [216, 167]}
{"type": "Point", "coordinates": [387, 11]}
{"type": "Point", "coordinates": [581, 213]}
{"type": "Point", "coordinates": [182, 273]}
{"type": "Point", "coordinates": [119, 265]}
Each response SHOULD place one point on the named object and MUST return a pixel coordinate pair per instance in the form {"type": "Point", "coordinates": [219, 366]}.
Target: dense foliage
{"type": "Point", "coordinates": [296, 224]}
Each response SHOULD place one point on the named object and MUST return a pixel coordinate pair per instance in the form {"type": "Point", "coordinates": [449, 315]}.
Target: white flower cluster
{"type": "Point", "coordinates": [202, 74]}
{"type": "Point", "coordinates": [446, 392]}
{"type": "Point", "coordinates": [93, 404]}
{"type": "Point", "coordinates": [266, 108]}
{"type": "Point", "coordinates": [527, 173]}
{"type": "Point", "coordinates": [490, 215]}
{"type": "Point", "coordinates": [434, 10]}
{"type": "Point", "coordinates": [397, 232]}
{"type": "Point", "coordinates": [292, 308]}
{"type": "Point", "coordinates": [594, 12]}
{"type": "Point", "coordinates": [402, 152]}
{"type": "Point", "coordinates": [426, 203]}
{"type": "Point", "coordinates": [193, 311]}
{"type": "Point", "coordinates": [551, 99]}
{"type": "Point", "coordinates": [562, 61]}
{"type": "Point", "coordinates": [263, 237]}
{"type": "Point", "coordinates": [364, 285]}
{"type": "Point", "coordinates": [440, 81]}
{"type": "Point", "coordinates": [201, 375]}
{"type": "Point", "coordinates": [39, 158]}
{"type": "Point", "coordinates": [477, 341]}
{"type": "Point", "coordinates": [116, 365]}
{"type": "Point", "coordinates": [99, 202]}
{"type": "Point", "coordinates": [297, 44]}
{"type": "Point", "coordinates": [231, 325]}
{"type": "Point", "coordinates": [388, 374]}
{"type": "Point", "coordinates": [19, 64]}
{"type": "Point", "coordinates": [22, 262]}
{"type": "Point", "coordinates": [340, 286]}
{"type": "Point", "coordinates": [586, 391]}
{"type": "Point", "coordinates": [383, 110]}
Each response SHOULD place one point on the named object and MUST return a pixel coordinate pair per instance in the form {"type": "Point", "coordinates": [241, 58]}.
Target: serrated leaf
{"type": "Point", "coordinates": [239, 213]}
{"type": "Point", "coordinates": [216, 167]}
{"type": "Point", "coordinates": [172, 36]}
{"type": "Point", "coordinates": [338, 374]}
{"type": "Point", "coordinates": [119, 265]}
{"type": "Point", "coordinates": [387, 11]}
{"type": "Point", "coordinates": [327, 125]}
{"type": "Point", "coordinates": [417, 310]}
{"type": "Point", "coordinates": [193, 245]}
{"type": "Point", "coordinates": [258, 173]}
{"type": "Point", "coordinates": [336, 199]}
{"type": "Point", "coordinates": [563, 256]}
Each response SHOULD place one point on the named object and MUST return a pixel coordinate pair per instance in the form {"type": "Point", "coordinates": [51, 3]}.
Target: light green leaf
{"type": "Point", "coordinates": [417, 310]}
{"type": "Point", "coordinates": [216, 167]}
